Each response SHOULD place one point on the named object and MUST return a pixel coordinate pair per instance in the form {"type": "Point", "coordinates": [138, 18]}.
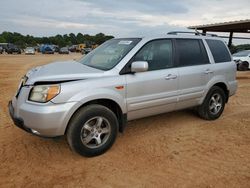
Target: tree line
{"type": "Point", "coordinates": [60, 40]}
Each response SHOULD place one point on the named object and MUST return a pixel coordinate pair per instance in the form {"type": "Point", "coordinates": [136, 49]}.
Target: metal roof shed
{"type": "Point", "coordinates": [241, 26]}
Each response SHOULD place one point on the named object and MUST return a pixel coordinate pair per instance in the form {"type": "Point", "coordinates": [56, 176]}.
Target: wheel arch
{"type": "Point", "coordinates": [109, 103]}
{"type": "Point", "coordinates": [224, 87]}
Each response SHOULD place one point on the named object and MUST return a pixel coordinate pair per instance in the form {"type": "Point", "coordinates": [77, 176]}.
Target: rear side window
{"type": "Point", "coordinates": [219, 51]}
{"type": "Point", "coordinates": [191, 52]}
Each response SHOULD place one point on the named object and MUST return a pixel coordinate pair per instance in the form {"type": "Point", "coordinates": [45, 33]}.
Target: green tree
{"type": "Point", "coordinates": [80, 38]}
{"type": "Point", "coordinates": [60, 40]}
{"type": "Point", "coordinates": [73, 38]}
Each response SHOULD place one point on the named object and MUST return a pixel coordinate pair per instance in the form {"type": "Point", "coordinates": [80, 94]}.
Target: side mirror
{"type": "Point", "coordinates": [139, 66]}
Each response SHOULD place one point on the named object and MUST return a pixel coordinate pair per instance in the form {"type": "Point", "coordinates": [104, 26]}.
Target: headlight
{"type": "Point", "coordinates": [44, 93]}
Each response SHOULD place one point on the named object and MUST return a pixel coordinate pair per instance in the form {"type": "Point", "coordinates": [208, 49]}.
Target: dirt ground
{"type": "Point", "coordinates": [177, 149]}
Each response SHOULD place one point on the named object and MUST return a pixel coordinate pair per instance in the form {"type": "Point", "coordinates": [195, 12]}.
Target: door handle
{"type": "Point", "coordinates": [170, 77]}
{"type": "Point", "coordinates": [208, 71]}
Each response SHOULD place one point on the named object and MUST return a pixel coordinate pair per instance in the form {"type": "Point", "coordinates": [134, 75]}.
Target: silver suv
{"type": "Point", "coordinates": [90, 100]}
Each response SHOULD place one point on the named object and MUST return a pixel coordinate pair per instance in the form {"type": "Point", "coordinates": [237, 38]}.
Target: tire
{"type": "Point", "coordinates": [213, 105]}
{"type": "Point", "coordinates": [243, 66]}
{"type": "Point", "coordinates": [86, 137]}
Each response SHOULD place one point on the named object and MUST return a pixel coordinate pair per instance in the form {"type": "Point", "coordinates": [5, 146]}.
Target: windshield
{"type": "Point", "coordinates": [241, 54]}
{"type": "Point", "coordinates": [109, 54]}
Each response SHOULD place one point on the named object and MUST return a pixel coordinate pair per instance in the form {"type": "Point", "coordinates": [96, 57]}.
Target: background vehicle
{"type": "Point", "coordinates": [80, 47]}
{"type": "Point", "coordinates": [13, 49]}
{"type": "Point", "coordinates": [55, 48]}
{"type": "Point", "coordinates": [1, 49]}
{"type": "Point", "coordinates": [86, 50]}
{"type": "Point", "coordinates": [29, 51]}
{"type": "Point", "coordinates": [242, 60]}
{"type": "Point", "coordinates": [4, 46]}
{"type": "Point", "coordinates": [64, 50]}
{"type": "Point", "coordinates": [47, 49]}
{"type": "Point", "coordinates": [73, 48]}
{"type": "Point", "coordinates": [90, 100]}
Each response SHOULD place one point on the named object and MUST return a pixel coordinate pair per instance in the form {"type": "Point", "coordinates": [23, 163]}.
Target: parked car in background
{"type": "Point", "coordinates": [242, 60]}
{"type": "Point", "coordinates": [86, 50]}
{"type": "Point", "coordinates": [47, 49]}
{"type": "Point", "coordinates": [80, 47]}
{"type": "Point", "coordinates": [1, 49]}
{"type": "Point", "coordinates": [90, 100]}
{"type": "Point", "coordinates": [11, 48]}
{"type": "Point", "coordinates": [73, 48]}
{"type": "Point", "coordinates": [64, 50]}
{"type": "Point", "coordinates": [55, 48]}
{"type": "Point", "coordinates": [29, 51]}
{"type": "Point", "coordinates": [4, 46]}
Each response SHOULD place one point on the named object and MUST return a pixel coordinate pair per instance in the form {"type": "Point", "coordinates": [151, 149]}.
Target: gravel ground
{"type": "Point", "coordinates": [176, 149]}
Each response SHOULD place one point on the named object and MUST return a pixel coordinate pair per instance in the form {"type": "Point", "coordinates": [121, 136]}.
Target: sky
{"type": "Point", "coordinates": [120, 18]}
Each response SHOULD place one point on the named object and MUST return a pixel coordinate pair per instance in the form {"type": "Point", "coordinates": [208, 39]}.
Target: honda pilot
{"type": "Point", "coordinates": [91, 100]}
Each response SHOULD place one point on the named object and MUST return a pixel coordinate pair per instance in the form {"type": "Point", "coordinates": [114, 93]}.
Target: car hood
{"type": "Point", "coordinates": [62, 71]}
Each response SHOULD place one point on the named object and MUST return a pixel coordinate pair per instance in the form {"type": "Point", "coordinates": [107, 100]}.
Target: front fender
{"type": "Point", "coordinates": [83, 97]}
{"type": "Point", "coordinates": [102, 93]}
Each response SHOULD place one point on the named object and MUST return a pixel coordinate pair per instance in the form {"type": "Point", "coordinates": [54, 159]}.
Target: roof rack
{"type": "Point", "coordinates": [191, 32]}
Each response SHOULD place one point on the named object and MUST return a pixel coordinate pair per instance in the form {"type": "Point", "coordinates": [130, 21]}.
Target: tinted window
{"type": "Point", "coordinates": [191, 52]}
{"type": "Point", "coordinates": [219, 51]}
{"type": "Point", "coordinates": [157, 53]}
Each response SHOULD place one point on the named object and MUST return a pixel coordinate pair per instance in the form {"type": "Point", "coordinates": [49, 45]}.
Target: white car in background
{"type": "Point", "coordinates": [242, 59]}
{"type": "Point", "coordinates": [29, 51]}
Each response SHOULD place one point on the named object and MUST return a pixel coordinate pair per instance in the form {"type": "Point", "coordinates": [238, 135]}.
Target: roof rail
{"type": "Point", "coordinates": [191, 32]}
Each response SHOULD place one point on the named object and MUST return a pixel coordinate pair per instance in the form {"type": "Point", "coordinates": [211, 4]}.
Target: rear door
{"type": "Point", "coordinates": [156, 90]}
{"type": "Point", "coordinates": [194, 71]}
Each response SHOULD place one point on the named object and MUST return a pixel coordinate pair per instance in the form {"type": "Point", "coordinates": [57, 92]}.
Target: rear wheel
{"type": "Point", "coordinates": [92, 130]}
{"type": "Point", "coordinates": [213, 105]}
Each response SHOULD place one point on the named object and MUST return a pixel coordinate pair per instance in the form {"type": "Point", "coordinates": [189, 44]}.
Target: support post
{"type": "Point", "coordinates": [230, 39]}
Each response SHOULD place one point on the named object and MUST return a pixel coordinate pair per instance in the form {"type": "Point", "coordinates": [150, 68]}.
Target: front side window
{"type": "Point", "coordinates": [157, 53]}
{"type": "Point", "coordinates": [109, 54]}
{"type": "Point", "coordinates": [191, 52]}
{"type": "Point", "coordinates": [219, 51]}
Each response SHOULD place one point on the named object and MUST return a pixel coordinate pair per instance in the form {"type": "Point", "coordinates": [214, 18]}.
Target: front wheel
{"type": "Point", "coordinates": [213, 105]}
{"type": "Point", "coordinates": [92, 130]}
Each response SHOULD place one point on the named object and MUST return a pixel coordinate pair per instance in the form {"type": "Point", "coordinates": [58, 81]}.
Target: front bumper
{"type": "Point", "coordinates": [48, 120]}
{"type": "Point", "coordinates": [17, 121]}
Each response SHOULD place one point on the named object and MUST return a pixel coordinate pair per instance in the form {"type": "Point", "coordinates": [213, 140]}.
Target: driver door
{"type": "Point", "coordinates": [156, 90]}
